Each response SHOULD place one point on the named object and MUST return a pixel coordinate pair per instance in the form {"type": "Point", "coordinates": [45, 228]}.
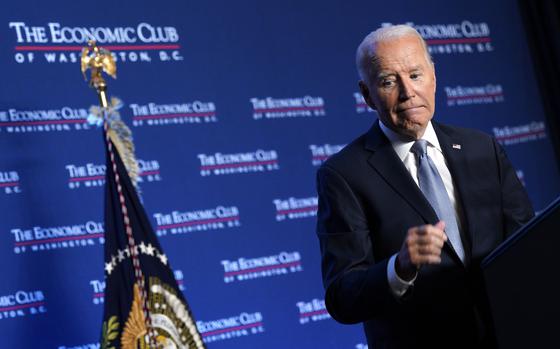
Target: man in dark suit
{"type": "Point", "coordinates": [408, 210]}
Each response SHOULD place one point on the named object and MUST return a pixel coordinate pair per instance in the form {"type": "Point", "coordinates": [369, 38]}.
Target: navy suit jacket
{"type": "Point", "coordinates": [368, 201]}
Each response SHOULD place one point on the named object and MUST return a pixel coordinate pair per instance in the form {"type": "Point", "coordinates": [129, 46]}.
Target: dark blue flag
{"type": "Point", "coordinates": [144, 307]}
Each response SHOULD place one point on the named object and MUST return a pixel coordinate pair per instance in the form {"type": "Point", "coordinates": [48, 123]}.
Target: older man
{"type": "Point", "coordinates": [408, 210]}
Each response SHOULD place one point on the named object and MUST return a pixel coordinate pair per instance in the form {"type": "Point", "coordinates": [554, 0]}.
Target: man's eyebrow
{"type": "Point", "coordinates": [415, 68]}
{"type": "Point", "coordinates": [384, 74]}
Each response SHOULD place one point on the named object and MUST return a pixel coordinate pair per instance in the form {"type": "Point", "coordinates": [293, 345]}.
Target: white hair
{"type": "Point", "coordinates": [365, 54]}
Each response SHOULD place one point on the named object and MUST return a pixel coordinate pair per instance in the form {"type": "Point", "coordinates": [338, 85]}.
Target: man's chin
{"type": "Point", "coordinates": [412, 131]}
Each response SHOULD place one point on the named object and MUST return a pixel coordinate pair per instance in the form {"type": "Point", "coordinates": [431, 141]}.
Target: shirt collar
{"type": "Point", "coordinates": [402, 144]}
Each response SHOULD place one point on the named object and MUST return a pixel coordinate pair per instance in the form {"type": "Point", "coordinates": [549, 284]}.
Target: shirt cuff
{"type": "Point", "coordinates": [398, 286]}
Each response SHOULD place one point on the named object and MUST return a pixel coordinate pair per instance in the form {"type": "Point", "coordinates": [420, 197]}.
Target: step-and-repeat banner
{"type": "Point", "coordinates": [233, 106]}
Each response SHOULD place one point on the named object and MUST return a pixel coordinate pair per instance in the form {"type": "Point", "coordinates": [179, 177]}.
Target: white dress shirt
{"type": "Point", "coordinates": [402, 146]}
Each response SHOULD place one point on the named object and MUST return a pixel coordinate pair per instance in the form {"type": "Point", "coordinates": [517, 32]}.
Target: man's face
{"type": "Point", "coordinates": [402, 86]}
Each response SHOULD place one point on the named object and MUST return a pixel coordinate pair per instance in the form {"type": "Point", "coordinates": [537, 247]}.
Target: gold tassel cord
{"type": "Point", "coordinates": [121, 136]}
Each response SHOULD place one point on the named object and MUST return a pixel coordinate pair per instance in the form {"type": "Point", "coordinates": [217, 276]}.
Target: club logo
{"type": "Point", "coordinates": [88, 175]}
{"type": "Point", "coordinates": [43, 120]}
{"type": "Point", "coordinates": [93, 175]}
{"type": "Point", "coordinates": [226, 164]}
{"type": "Point", "coordinates": [510, 135]}
{"type": "Point", "coordinates": [244, 324]}
{"type": "Point", "coordinates": [182, 222]}
{"type": "Point", "coordinates": [295, 208]}
{"type": "Point", "coordinates": [153, 114]}
{"type": "Point", "coordinates": [56, 43]}
{"type": "Point", "coordinates": [455, 38]}
{"type": "Point", "coordinates": [312, 311]}
{"type": "Point", "coordinates": [461, 95]}
{"type": "Point", "coordinates": [242, 269]}
{"type": "Point", "coordinates": [38, 238]}
{"type": "Point", "coordinates": [275, 108]}
{"type": "Point", "coordinates": [22, 303]}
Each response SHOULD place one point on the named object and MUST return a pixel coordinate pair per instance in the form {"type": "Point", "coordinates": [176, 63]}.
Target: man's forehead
{"type": "Point", "coordinates": [398, 47]}
{"type": "Point", "coordinates": [405, 63]}
{"type": "Point", "coordinates": [406, 53]}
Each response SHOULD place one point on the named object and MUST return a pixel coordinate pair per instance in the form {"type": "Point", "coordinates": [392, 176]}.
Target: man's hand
{"type": "Point", "coordinates": [422, 245]}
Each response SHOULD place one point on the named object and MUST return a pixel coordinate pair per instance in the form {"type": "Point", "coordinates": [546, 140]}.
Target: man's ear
{"type": "Point", "coordinates": [365, 93]}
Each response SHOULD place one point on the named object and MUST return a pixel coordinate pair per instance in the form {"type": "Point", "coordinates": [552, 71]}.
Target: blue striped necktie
{"type": "Point", "coordinates": [432, 186]}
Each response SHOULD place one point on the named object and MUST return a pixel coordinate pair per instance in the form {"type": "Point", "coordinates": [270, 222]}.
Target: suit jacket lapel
{"type": "Point", "coordinates": [454, 153]}
{"type": "Point", "coordinates": [385, 161]}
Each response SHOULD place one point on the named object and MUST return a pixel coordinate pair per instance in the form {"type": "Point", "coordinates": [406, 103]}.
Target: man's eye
{"type": "Point", "coordinates": [387, 83]}
{"type": "Point", "coordinates": [415, 76]}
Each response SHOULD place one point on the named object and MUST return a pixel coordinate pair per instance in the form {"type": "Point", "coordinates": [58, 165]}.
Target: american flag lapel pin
{"type": "Point", "coordinates": [456, 146]}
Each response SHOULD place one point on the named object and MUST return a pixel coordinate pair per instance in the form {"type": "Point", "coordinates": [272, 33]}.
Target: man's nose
{"type": "Point", "coordinates": [406, 90]}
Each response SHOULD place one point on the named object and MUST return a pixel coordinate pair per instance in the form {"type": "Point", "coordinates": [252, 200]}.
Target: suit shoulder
{"type": "Point", "coordinates": [468, 134]}
{"type": "Point", "coordinates": [342, 161]}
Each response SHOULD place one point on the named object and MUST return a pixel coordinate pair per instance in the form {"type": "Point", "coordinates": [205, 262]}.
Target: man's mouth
{"type": "Point", "coordinates": [400, 110]}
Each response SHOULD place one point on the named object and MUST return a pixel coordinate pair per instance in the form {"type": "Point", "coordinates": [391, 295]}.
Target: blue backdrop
{"type": "Point", "coordinates": [233, 106]}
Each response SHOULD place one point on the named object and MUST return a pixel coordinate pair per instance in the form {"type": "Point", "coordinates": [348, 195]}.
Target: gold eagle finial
{"type": "Point", "coordinates": [98, 60]}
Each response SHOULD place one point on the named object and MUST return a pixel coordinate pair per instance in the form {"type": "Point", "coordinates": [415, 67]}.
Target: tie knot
{"type": "Point", "coordinates": [419, 148]}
